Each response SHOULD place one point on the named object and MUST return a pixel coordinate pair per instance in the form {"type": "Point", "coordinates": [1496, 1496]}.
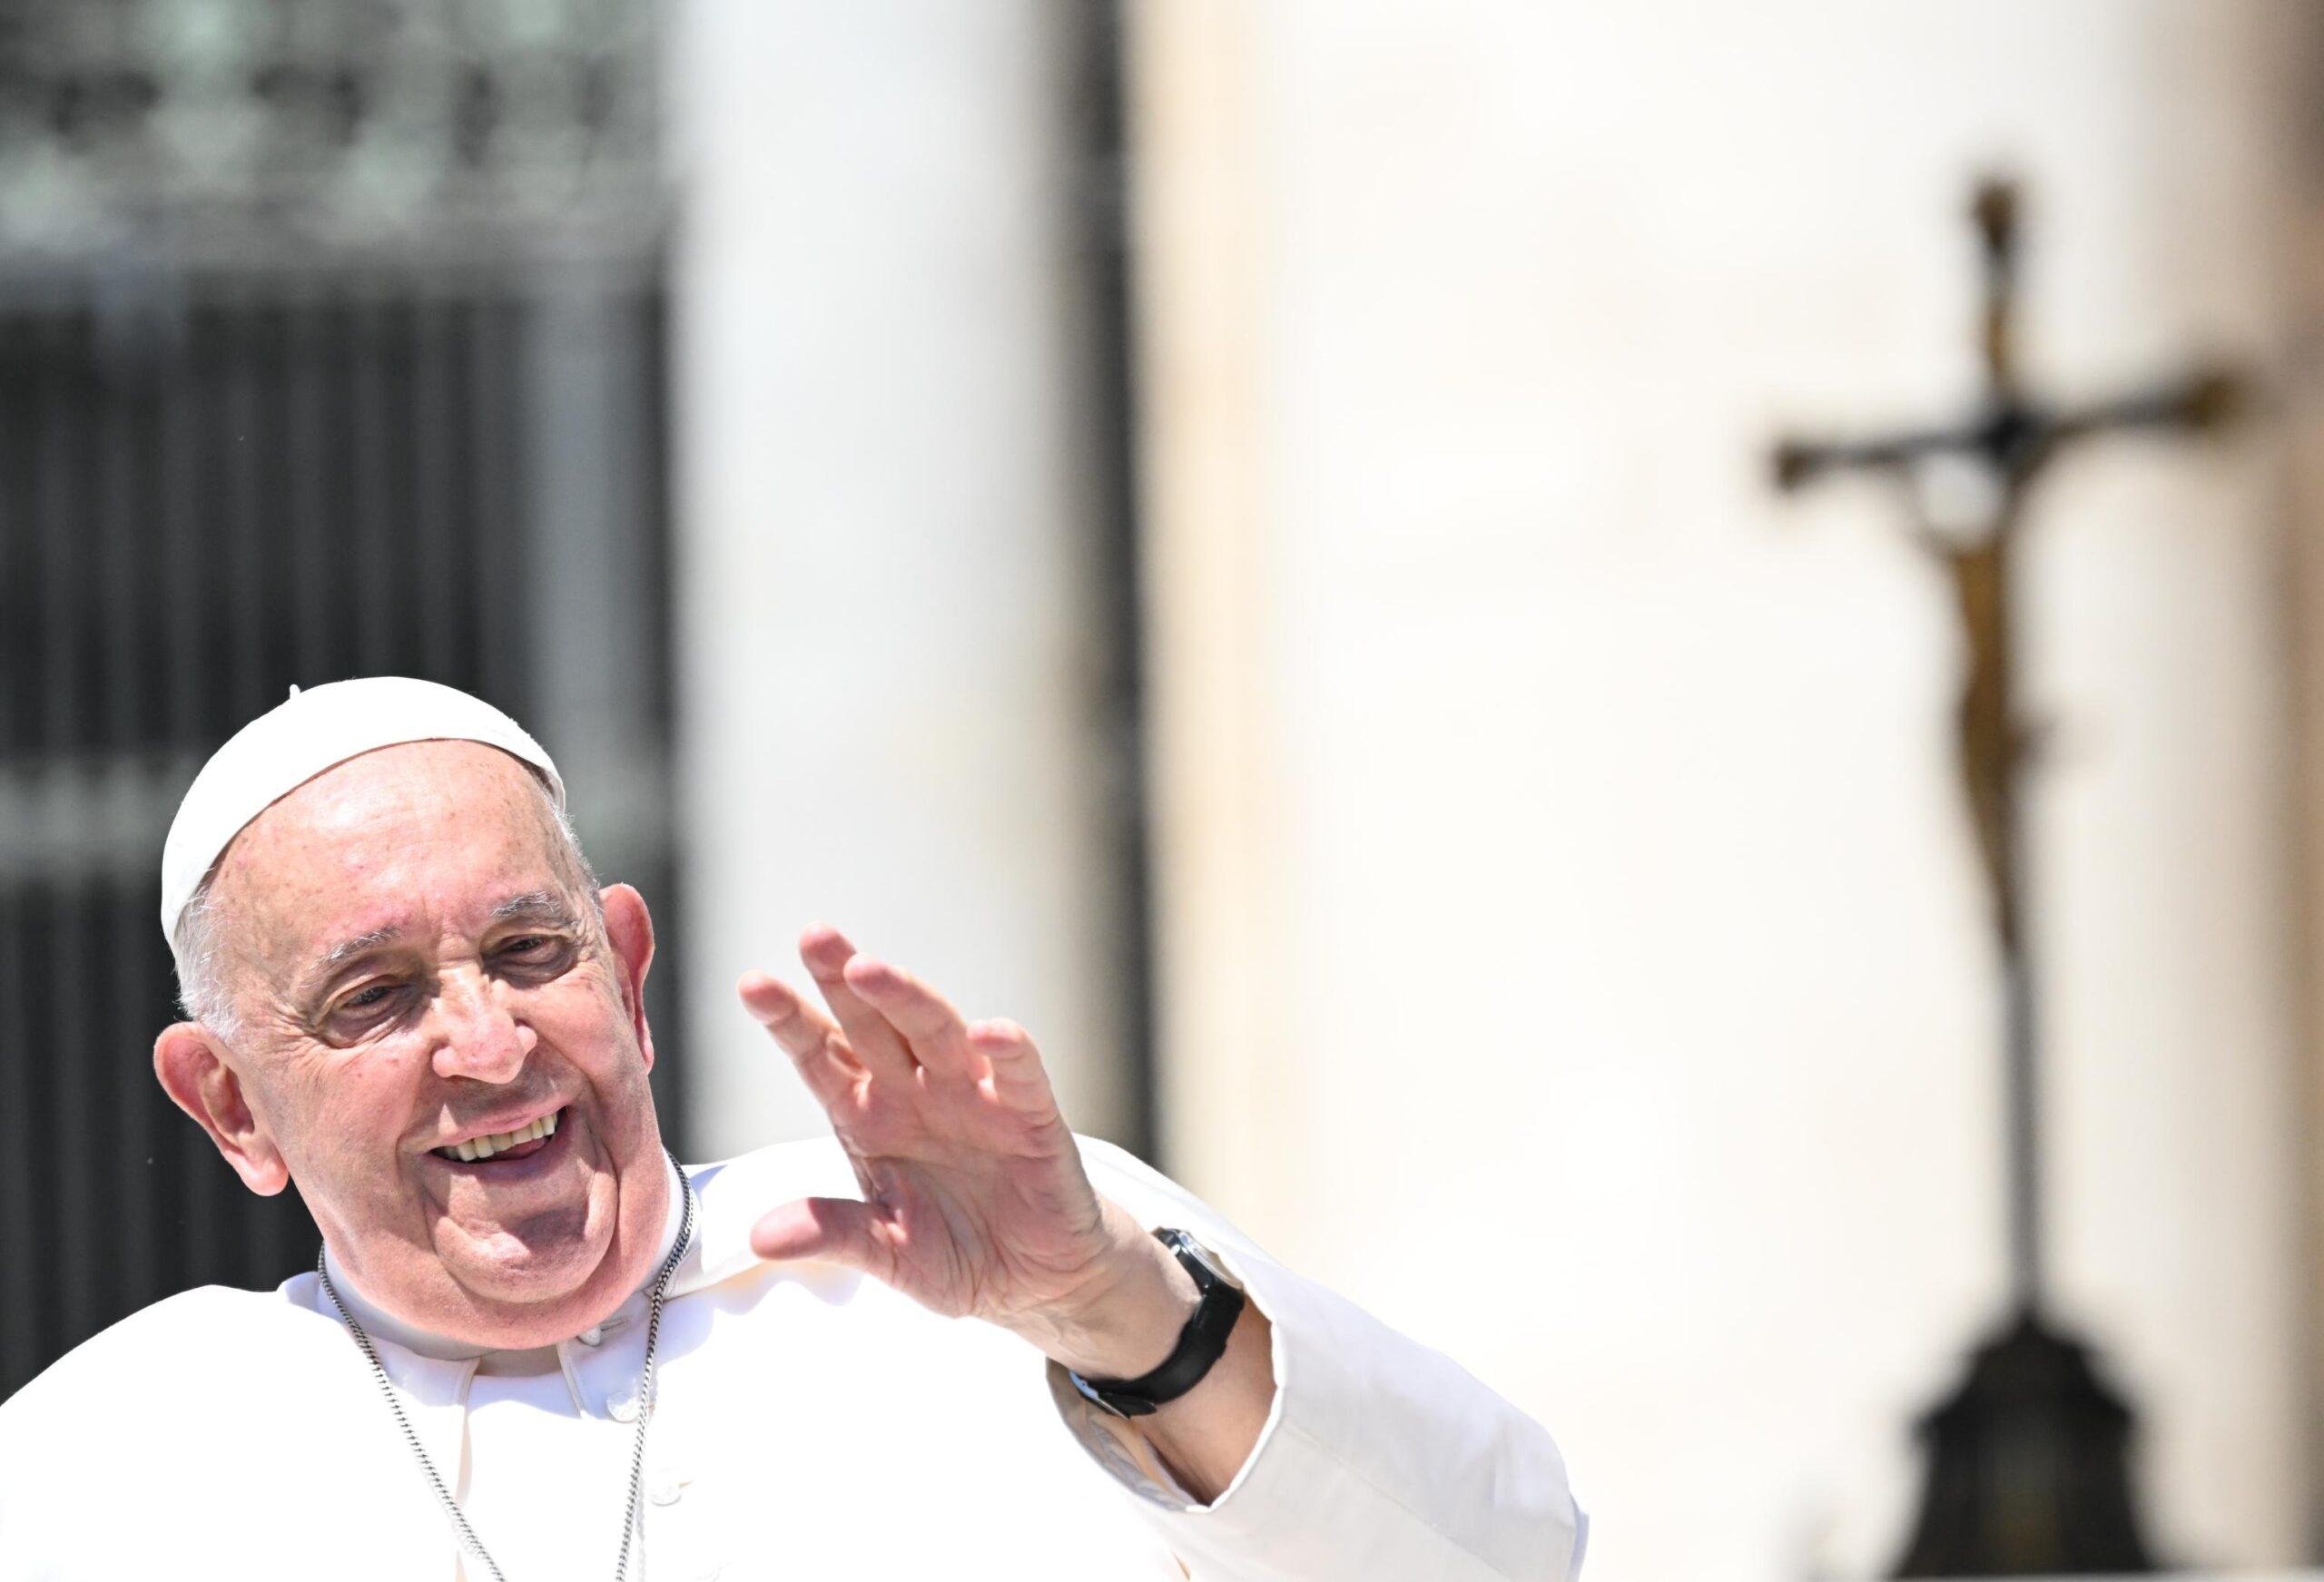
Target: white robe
{"type": "Point", "coordinates": [811, 1423]}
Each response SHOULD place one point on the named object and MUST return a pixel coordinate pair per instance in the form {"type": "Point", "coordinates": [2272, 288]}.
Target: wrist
{"type": "Point", "coordinates": [1218, 1311]}
{"type": "Point", "coordinates": [1126, 1316]}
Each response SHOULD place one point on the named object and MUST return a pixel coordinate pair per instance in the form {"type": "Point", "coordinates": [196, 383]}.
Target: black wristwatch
{"type": "Point", "coordinates": [1201, 1344]}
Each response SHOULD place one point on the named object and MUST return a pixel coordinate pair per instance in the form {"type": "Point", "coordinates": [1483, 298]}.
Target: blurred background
{"type": "Point", "coordinates": [1240, 533]}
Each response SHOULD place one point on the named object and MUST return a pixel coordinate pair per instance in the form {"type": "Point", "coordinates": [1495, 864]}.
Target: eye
{"type": "Point", "coordinates": [361, 1008]}
{"type": "Point", "coordinates": [534, 954]}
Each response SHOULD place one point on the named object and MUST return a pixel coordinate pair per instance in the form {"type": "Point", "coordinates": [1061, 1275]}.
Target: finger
{"type": "Point", "coordinates": [873, 1040]}
{"type": "Point", "coordinates": [932, 1029]}
{"type": "Point", "coordinates": [1019, 1078]}
{"type": "Point", "coordinates": [832, 1229]}
{"type": "Point", "coordinates": [811, 1039]}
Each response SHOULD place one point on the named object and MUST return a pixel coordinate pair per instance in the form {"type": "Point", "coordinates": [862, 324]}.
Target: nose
{"type": "Point", "coordinates": [478, 1035]}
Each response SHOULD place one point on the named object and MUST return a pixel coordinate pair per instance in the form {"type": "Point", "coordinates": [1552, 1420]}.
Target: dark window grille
{"type": "Point", "coordinates": [211, 487]}
{"type": "Point", "coordinates": [330, 343]}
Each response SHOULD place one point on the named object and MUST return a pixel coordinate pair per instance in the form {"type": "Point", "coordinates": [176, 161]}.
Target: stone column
{"type": "Point", "coordinates": [882, 611]}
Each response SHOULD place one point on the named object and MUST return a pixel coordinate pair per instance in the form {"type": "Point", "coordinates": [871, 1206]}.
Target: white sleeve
{"type": "Point", "coordinates": [1380, 1457]}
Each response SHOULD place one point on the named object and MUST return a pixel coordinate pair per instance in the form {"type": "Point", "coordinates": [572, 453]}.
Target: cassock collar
{"type": "Point", "coordinates": [689, 1275]}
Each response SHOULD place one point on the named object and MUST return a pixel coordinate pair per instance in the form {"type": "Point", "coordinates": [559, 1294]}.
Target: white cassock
{"type": "Point", "coordinates": [812, 1424]}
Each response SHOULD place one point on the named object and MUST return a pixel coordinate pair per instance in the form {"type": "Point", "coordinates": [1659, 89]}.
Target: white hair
{"type": "Point", "coordinates": [200, 958]}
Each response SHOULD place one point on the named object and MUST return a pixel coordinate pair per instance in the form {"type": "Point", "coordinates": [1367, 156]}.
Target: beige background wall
{"type": "Point", "coordinates": [1572, 946]}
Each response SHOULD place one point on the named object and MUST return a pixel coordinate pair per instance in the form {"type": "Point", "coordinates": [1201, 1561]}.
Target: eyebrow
{"type": "Point", "coordinates": [346, 950]}
{"type": "Point", "coordinates": [535, 906]}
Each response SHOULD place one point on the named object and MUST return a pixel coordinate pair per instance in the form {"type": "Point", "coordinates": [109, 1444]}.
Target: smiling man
{"type": "Point", "coordinates": [534, 1346]}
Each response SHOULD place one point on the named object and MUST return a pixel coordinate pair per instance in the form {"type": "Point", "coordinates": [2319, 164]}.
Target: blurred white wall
{"type": "Point", "coordinates": [1572, 945]}
{"type": "Point", "coordinates": [881, 604]}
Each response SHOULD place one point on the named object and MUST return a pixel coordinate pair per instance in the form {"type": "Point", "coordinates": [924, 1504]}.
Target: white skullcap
{"type": "Point", "coordinates": [311, 732]}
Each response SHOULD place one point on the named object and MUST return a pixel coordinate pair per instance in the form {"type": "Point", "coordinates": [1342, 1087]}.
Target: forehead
{"type": "Point", "coordinates": [436, 830]}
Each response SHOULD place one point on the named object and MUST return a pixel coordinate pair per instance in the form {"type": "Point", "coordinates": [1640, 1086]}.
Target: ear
{"type": "Point", "coordinates": [192, 1063]}
{"type": "Point", "coordinates": [631, 929]}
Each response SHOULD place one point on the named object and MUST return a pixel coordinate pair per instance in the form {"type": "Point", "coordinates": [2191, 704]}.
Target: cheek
{"type": "Point", "coordinates": [585, 1022]}
{"type": "Point", "coordinates": [591, 1035]}
{"type": "Point", "coordinates": [355, 1107]}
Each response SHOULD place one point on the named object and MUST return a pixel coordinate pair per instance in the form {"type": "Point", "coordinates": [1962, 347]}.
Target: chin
{"type": "Point", "coordinates": [536, 1284]}
{"type": "Point", "coordinates": [529, 1268]}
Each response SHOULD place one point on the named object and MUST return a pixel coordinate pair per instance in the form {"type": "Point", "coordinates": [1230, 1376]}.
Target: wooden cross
{"type": "Point", "coordinates": [2005, 445]}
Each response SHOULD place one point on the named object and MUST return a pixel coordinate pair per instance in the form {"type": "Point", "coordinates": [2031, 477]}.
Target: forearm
{"type": "Point", "coordinates": [1206, 1435]}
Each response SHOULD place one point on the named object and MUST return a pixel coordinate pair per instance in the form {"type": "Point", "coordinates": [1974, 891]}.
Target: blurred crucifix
{"type": "Point", "coordinates": [2026, 1459]}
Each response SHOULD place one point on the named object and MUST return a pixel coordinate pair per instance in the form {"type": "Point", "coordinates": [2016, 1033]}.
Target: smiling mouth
{"type": "Point", "coordinates": [520, 1144]}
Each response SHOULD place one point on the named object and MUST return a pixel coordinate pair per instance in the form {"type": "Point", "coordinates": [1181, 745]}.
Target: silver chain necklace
{"type": "Point", "coordinates": [469, 1540]}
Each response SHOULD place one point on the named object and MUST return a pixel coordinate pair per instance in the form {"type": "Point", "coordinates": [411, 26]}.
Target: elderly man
{"type": "Point", "coordinates": [534, 1346]}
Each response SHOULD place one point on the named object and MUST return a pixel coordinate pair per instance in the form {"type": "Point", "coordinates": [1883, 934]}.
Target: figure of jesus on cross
{"type": "Point", "coordinates": [1994, 458]}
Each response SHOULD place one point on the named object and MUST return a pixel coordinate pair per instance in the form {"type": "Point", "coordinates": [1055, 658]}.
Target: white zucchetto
{"type": "Point", "coordinates": [307, 733]}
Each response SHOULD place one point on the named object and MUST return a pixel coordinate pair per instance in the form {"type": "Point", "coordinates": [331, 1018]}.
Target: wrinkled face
{"type": "Point", "coordinates": [416, 964]}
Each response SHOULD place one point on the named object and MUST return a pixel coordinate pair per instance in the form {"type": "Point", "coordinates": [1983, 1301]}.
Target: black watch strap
{"type": "Point", "coordinates": [1200, 1344]}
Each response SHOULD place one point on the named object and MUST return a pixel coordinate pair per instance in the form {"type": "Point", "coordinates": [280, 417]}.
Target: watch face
{"type": "Point", "coordinates": [1185, 1246]}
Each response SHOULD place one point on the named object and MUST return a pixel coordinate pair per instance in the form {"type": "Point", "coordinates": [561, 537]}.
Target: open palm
{"type": "Point", "coordinates": [975, 1201]}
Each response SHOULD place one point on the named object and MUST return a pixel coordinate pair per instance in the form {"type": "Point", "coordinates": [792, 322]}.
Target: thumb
{"type": "Point", "coordinates": [831, 1229]}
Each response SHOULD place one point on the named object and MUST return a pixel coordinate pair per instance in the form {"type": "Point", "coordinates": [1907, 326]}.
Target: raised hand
{"type": "Point", "coordinates": [975, 1201]}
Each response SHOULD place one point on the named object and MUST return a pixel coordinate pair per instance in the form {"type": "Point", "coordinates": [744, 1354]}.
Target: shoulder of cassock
{"type": "Point", "coordinates": [217, 1377]}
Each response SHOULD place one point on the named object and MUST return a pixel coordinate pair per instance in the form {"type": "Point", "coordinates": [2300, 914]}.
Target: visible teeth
{"type": "Point", "coordinates": [476, 1148]}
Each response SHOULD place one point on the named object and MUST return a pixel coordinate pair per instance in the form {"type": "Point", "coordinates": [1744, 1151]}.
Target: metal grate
{"type": "Point", "coordinates": [212, 488]}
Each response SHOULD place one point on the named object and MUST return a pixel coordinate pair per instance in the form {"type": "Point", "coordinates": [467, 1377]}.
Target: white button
{"type": "Point", "coordinates": [590, 1336]}
{"type": "Point", "coordinates": [622, 1408]}
{"type": "Point", "coordinates": [664, 1490]}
